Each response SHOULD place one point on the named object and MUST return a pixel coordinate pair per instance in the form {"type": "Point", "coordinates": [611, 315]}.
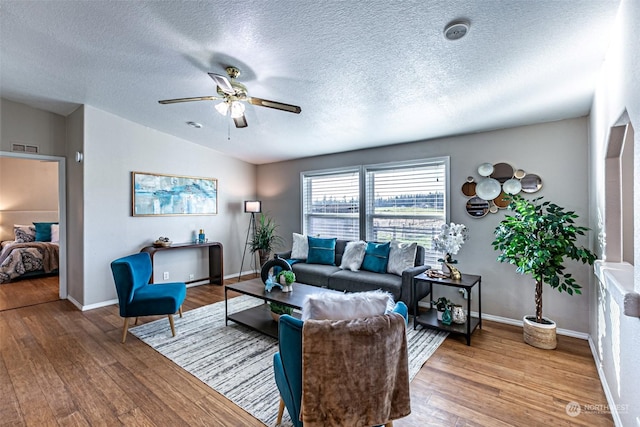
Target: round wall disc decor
{"type": "Point", "coordinates": [477, 208]}
{"type": "Point", "coordinates": [488, 189]}
{"type": "Point", "coordinates": [502, 201]}
{"type": "Point", "coordinates": [512, 186]}
{"type": "Point", "coordinates": [485, 169]}
{"type": "Point", "coordinates": [469, 189]}
{"type": "Point", "coordinates": [502, 172]}
{"type": "Point", "coordinates": [531, 183]}
{"type": "Point", "coordinates": [519, 174]}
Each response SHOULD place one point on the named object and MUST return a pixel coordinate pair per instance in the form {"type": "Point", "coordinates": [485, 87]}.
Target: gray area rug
{"type": "Point", "coordinates": [237, 361]}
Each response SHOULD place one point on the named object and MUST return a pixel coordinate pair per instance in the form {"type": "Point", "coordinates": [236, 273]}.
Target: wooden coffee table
{"type": "Point", "coordinates": [259, 317]}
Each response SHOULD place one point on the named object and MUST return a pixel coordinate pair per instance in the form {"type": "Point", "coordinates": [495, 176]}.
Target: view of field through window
{"type": "Point", "coordinates": [405, 203]}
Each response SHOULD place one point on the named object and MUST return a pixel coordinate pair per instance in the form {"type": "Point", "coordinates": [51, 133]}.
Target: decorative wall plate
{"type": "Point", "coordinates": [512, 186]}
{"type": "Point", "coordinates": [488, 189]}
{"type": "Point", "coordinates": [519, 174]}
{"type": "Point", "coordinates": [485, 169]}
{"type": "Point", "coordinates": [476, 207]}
{"type": "Point", "coordinates": [469, 189]}
{"type": "Point", "coordinates": [530, 183]}
{"type": "Point", "coordinates": [502, 172]}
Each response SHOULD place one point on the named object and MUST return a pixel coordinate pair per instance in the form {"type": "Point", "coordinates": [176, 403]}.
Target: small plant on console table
{"type": "Point", "coordinates": [278, 309]}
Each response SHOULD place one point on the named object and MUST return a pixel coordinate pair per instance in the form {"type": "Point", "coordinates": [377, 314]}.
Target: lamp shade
{"type": "Point", "coordinates": [252, 206]}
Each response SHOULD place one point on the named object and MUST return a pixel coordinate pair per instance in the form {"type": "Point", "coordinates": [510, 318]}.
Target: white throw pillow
{"type": "Point", "coordinates": [353, 255]}
{"type": "Point", "coordinates": [401, 257]}
{"type": "Point", "coordinates": [55, 233]}
{"type": "Point", "coordinates": [338, 306]}
{"type": "Point", "coordinates": [300, 247]}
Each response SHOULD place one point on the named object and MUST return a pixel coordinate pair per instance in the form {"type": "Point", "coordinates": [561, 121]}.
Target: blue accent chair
{"type": "Point", "coordinates": [137, 297]}
{"type": "Point", "coordinates": [287, 363]}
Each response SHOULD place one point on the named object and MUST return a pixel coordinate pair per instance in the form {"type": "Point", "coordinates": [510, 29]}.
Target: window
{"type": "Point", "coordinates": [331, 204]}
{"type": "Point", "coordinates": [394, 201]}
{"type": "Point", "coordinates": [406, 203]}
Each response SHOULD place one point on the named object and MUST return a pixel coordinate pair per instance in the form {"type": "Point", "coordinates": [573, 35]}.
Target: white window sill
{"type": "Point", "coordinates": [617, 278]}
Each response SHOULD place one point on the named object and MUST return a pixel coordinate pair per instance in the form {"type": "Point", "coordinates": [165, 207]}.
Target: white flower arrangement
{"type": "Point", "coordinates": [451, 238]}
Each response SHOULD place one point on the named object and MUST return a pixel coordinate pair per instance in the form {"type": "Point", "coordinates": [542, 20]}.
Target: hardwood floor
{"type": "Point", "coordinates": [22, 293]}
{"type": "Point", "coordinates": [60, 366]}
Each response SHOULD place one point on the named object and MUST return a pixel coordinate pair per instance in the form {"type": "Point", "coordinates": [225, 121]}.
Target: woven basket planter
{"type": "Point", "coordinates": [539, 335]}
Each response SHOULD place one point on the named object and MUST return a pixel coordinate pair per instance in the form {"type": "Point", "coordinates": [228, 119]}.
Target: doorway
{"type": "Point", "coordinates": [17, 207]}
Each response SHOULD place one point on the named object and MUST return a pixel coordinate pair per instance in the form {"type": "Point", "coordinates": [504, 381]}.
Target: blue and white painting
{"type": "Point", "coordinates": [155, 194]}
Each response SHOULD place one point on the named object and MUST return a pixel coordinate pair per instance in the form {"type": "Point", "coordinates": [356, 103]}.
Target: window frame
{"type": "Point", "coordinates": [365, 221]}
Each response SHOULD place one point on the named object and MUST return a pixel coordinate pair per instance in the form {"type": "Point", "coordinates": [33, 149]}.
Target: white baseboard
{"type": "Point", "coordinates": [613, 409]}
{"type": "Point", "coordinates": [518, 322]}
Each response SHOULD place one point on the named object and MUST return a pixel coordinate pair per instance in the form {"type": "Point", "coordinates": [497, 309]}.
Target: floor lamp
{"type": "Point", "coordinates": [253, 207]}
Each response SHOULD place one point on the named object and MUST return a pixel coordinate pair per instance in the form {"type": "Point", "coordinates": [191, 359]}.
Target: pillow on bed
{"type": "Point", "coordinates": [24, 233]}
{"type": "Point", "coordinates": [55, 233]}
{"type": "Point", "coordinates": [43, 231]}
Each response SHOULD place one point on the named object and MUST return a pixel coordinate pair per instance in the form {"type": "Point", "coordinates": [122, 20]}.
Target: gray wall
{"type": "Point", "coordinates": [556, 151]}
{"type": "Point", "coordinates": [25, 125]}
{"type": "Point", "coordinates": [113, 148]}
{"type": "Point", "coordinates": [616, 337]}
{"type": "Point", "coordinates": [100, 227]}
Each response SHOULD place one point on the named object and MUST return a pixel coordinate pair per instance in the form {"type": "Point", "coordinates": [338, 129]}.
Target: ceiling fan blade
{"type": "Point", "coordinates": [197, 98]}
{"type": "Point", "coordinates": [273, 104]}
{"type": "Point", "coordinates": [241, 122]}
{"type": "Point", "coordinates": [223, 83]}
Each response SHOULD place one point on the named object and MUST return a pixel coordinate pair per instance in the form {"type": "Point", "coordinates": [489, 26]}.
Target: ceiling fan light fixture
{"type": "Point", "coordinates": [222, 108]}
{"type": "Point", "coordinates": [237, 109]}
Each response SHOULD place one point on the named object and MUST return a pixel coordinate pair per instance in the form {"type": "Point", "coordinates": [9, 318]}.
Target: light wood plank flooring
{"type": "Point", "coordinates": [22, 293]}
{"type": "Point", "coordinates": [63, 367]}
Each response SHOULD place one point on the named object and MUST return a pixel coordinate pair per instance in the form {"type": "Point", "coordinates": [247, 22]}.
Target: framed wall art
{"type": "Point", "coordinates": [158, 194]}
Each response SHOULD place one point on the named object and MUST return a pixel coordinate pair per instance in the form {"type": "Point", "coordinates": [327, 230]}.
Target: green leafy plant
{"type": "Point", "coordinates": [265, 237]}
{"type": "Point", "coordinates": [442, 303]}
{"type": "Point", "coordinates": [278, 308]}
{"type": "Point", "coordinates": [537, 239]}
{"type": "Point", "coordinates": [289, 276]}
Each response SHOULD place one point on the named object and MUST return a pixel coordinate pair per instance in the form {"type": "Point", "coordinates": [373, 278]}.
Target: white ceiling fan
{"type": "Point", "coordinates": [233, 96]}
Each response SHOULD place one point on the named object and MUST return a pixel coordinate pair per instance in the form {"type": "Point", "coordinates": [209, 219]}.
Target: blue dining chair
{"type": "Point", "coordinates": [137, 297]}
{"type": "Point", "coordinates": [287, 364]}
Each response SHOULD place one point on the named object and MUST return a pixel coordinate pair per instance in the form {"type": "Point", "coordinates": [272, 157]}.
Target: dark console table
{"type": "Point", "coordinates": [429, 318]}
{"type": "Point", "coordinates": [215, 258]}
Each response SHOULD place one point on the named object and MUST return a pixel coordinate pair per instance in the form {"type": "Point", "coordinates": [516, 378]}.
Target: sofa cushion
{"type": "Point", "coordinates": [401, 257]}
{"type": "Point", "coordinates": [321, 251]}
{"type": "Point", "coordinates": [376, 257]}
{"type": "Point", "coordinates": [313, 274]}
{"type": "Point", "coordinates": [300, 248]}
{"type": "Point", "coordinates": [353, 255]}
{"type": "Point", "coordinates": [330, 306]}
{"type": "Point", "coordinates": [359, 281]}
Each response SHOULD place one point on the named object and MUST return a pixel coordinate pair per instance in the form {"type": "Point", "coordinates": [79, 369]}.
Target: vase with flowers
{"type": "Point", "coordinates": [449, 241]}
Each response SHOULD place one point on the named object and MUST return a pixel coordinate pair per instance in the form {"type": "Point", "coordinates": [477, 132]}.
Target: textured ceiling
{"type": "Point", "coordinates": [366, 73]}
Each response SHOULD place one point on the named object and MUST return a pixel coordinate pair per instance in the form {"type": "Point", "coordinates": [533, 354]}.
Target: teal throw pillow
{"type": "Point", "coordinates": [376, 257]}
{"type": "Point", "coordinates": [43, 231]}
{"type": "Point", "coordinates": [321, 251]}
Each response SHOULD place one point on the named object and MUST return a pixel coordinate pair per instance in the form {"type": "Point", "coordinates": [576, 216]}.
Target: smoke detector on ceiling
{"type": "Point", "coordinates": [455, 30]}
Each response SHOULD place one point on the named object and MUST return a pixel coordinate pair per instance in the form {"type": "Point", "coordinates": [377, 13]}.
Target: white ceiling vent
{"type": "Point", "coordinates": [24, 148]}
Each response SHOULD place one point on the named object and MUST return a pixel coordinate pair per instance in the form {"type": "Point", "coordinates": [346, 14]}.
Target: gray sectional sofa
{"type": "Point", "coordinates": [333, 277]}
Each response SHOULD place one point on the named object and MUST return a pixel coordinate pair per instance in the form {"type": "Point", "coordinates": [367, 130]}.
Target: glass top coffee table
{"type": "Point", "coordinates": [259, 317]}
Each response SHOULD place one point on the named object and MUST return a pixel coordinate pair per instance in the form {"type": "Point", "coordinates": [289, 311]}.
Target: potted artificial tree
{"type": "Point", "coordinates": [538, 239]}
{"type": "Point", "coordinates": [264, 238]}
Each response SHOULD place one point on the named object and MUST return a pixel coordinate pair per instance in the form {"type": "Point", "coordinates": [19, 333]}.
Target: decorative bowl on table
{"type": "Point", "coordinates": [162, 242]}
